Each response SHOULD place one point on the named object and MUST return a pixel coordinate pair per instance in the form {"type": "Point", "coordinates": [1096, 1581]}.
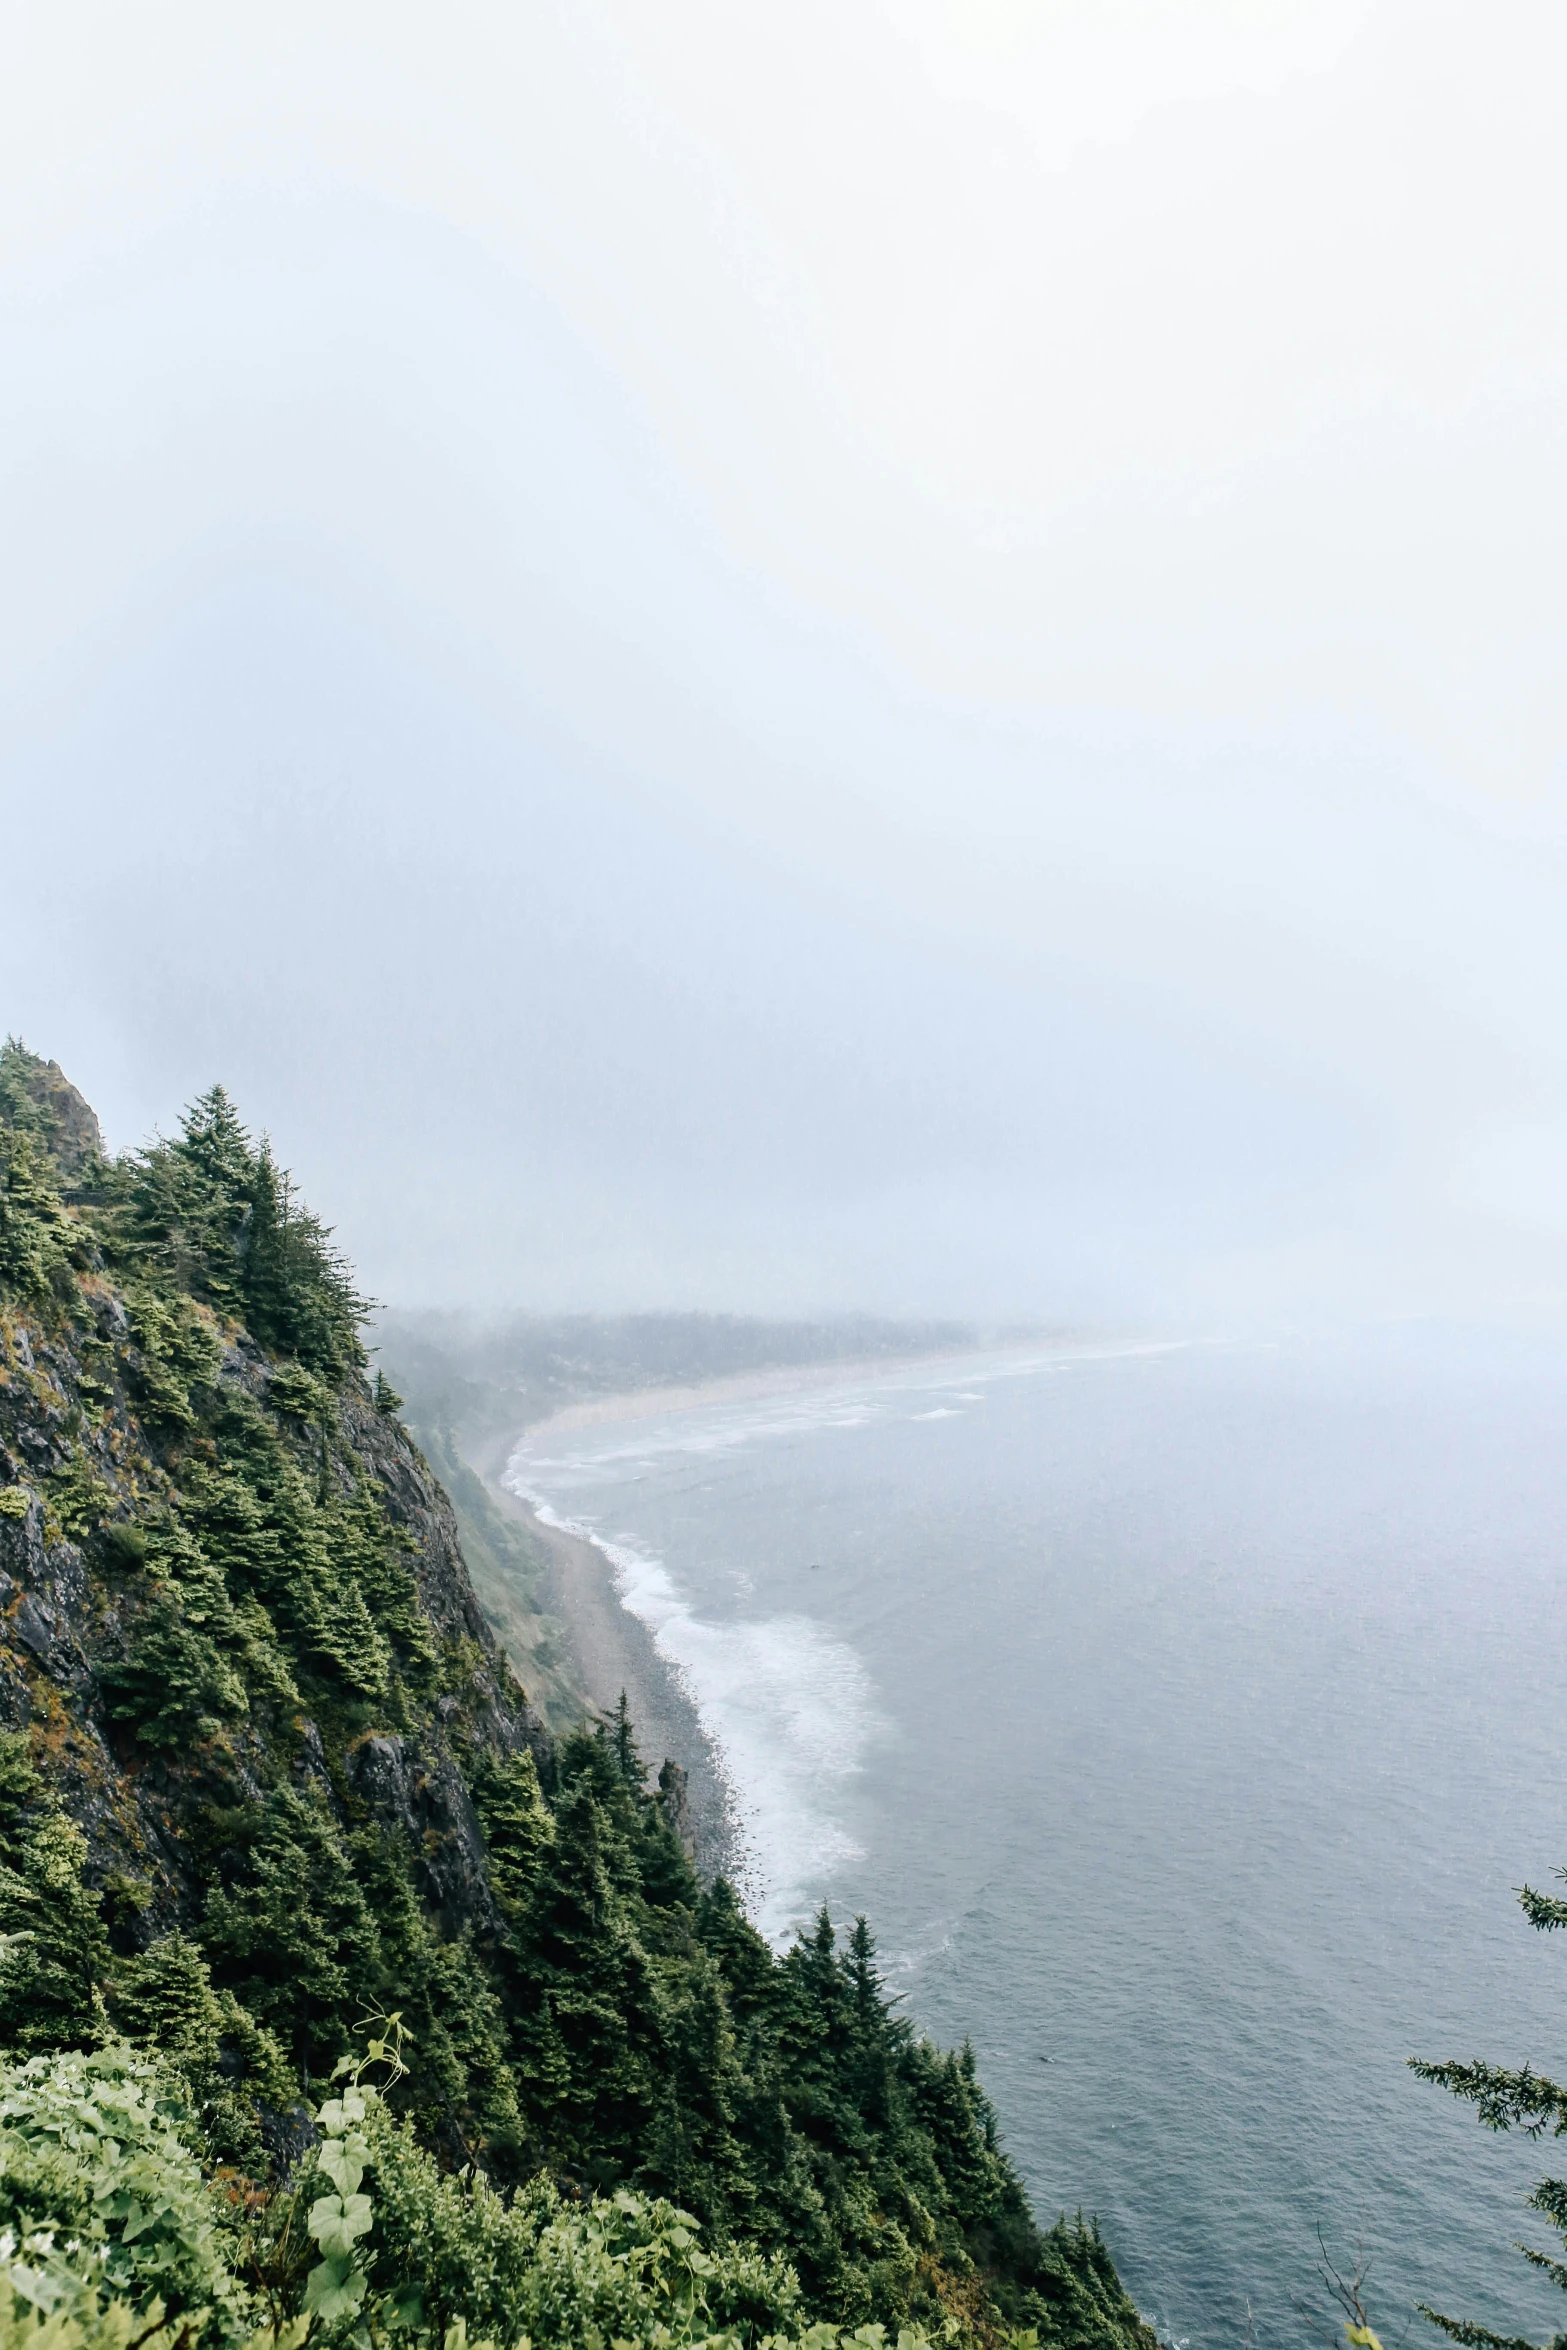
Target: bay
{"type": "Point", "coordinates": [1183, 1717]}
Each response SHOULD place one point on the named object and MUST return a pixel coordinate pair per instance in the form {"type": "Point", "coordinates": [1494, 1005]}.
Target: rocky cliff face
{"type": "Point", "coordinates": [152, 1486]}
{"type": "Point", "coordinates": [69, 1124]}
{"type": "Point", "coordinates": [265, 1777]}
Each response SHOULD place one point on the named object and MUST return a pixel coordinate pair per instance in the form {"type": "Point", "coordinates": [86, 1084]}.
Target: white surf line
{"type": "Point", "coordinates": [786, 1708]}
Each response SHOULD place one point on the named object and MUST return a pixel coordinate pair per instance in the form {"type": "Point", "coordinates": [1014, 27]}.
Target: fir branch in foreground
{"type": "Point", "coordinates": [1475, 2337]}
{"type": "Point", "coordinates": [1503, 2100]}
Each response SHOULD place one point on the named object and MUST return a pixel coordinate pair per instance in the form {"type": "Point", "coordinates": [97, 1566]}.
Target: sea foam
{"type": "Point", "coordinates": [788, 1710]}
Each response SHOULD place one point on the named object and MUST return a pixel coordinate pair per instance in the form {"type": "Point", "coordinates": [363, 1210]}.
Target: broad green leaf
{"type": "Point", "coordinates": [337, 2224]}
{"type": "Point", "coordinates": [334, 2290]}
{"type": "Point", "coordinates": [343, 2161]}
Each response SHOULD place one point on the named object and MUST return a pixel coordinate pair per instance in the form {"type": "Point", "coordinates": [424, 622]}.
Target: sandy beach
{"type": "Point", "coordinates": [647, 1403]}
{"type": "Point", "coordinates": [611, 1651]}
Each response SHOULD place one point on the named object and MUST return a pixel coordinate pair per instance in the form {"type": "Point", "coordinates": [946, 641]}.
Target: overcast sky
{"type": "Point", "coordinates": [898, 653]}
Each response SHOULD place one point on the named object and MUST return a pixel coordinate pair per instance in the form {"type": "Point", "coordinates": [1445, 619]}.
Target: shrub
{"type": "Point", "coordinates": [92, 2157]}
{"type": "Point", "coordinates": [445, 2256]}
{"type": "Point", "coordinates": [45, 2308]}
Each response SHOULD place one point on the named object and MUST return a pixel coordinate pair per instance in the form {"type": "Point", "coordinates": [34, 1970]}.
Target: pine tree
{"type": "Point", "coordinates": [463, 2084]}
{"type": "Point", "coordinates": [691, 2152]}
{"type": "Point", "coordinates": [268, 1295]}
{"type": "Point", "coordinates": [165, 1999]}
{"type": "Point", "coordinates": [299, 1295]}
{"type": "Point", "coordinates": [517, 1827]}
{"type": "Point", "coordinates": [865, 1985]}
{"type": "Point", "coordinates": [1506, 2100]}
{"type": "Point", "coordinates": [174, 1684]}
{"type": "Point", "coordinates": [36, 1238]}
{"type": "Point", "coordinates": [575, 1947]}
{"type": "Point", "coordinates": [189, 1201]}
{"type": "Point", "coordinates": [750, 1970]}
{"type": "Point", "coordinates": [214, 1149]}
{"type": "Point", "coordinates": [622, 1739]}
{"type": "Point", "coordinates": [817, 2015]}
{"type": "Point", "coordinates": [876, 2038]}
{"type": "Point", "coordinates": [368, 1558]}
{"type": "Point", "coordinates": [55, 1955]}
{"type": "Point", "coordinates": [292, 1934]}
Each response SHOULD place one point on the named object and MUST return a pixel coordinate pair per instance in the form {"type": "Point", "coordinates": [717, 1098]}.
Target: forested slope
{"type": "Point", "coordinates": [264, 1773]}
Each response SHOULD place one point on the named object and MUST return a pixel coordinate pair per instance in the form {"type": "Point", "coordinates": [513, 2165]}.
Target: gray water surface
{"type": "Point", "coordinates": [1183, 1720]}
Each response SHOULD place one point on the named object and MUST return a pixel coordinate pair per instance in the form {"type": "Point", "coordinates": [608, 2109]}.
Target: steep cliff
{"type": "Point", "coordinates": [264, 1772]}
{"type": "Point", "coordinates": [140, 1751]}
{"type": "Point", "coordinates": [235, 1625]}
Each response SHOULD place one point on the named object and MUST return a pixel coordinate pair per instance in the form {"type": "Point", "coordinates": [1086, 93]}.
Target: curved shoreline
{"type": "Point", "coordinates": [612, 1651]}
{"type": "Point", "coordinates": [649, 1403]}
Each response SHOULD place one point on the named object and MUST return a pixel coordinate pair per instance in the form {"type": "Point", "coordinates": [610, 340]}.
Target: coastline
{"type": "Point", "coordinates": [649, 1403]}
{"type": "Point", "coordinates": [612, 1651]}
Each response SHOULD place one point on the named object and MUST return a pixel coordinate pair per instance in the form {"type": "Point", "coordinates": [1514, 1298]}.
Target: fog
{"type": "Point", "coordinates": [900, 656]}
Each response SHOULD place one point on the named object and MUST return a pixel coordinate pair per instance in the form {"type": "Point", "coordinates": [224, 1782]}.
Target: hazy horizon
{"type": "Point", "coordinates": [897, 660]}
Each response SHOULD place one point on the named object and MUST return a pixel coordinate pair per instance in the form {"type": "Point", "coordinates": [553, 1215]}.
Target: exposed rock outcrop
{"type": "Point", "coordinates": [86, 1465]}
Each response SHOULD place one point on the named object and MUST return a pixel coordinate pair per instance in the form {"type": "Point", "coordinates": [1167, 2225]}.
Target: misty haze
{"type": "Point", "coordinates": [783, 1175]}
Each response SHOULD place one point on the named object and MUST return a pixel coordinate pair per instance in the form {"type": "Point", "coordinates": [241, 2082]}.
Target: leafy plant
{"type": "Point", "coordinates": [336, 2285]}
{"type": "Point", "coordinates": [630, 2119]}
{"type": "Point", "coordinates": [92, 2156]}
{"type": "Point", "coordinates": [46, 2304]}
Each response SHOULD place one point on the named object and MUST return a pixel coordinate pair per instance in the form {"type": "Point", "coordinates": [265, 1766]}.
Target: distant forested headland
{"type": "Point", "coordinates": [481, 1378]}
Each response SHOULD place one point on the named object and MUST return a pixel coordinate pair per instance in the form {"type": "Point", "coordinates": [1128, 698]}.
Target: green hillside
{"type": "Point", "coordinates": [266, 1779]}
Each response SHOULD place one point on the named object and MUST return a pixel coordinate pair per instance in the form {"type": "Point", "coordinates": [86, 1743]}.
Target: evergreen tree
{"type": "Point", "coordinates": [578, 2001]}
{"type": "Point", "coordinates": [517, 1828]}
{"type": "Point", "coordinates": [36, 1238]}
{"type": "Point", "coordinates": [299, 1295]}
{"type": "Point", "coordinates": [215, 1156]}
{"type": "Point", "coordinates": [215, 1145]}
{"type": "Point", "coordinates": [622, 1739]}
{"type": "Point", "coordinates": [291, 1932]}
{"type": "Point", "coordinates": [367, 1559]}
{"type": "Point", "coordinates": [589, 2025]}
{"type": "Point", "coordinates": [451, 2009]}
{"type": "Point", "coordinates": [749, 1968]}
{"type": "Point", "coordinates": [691, 2151]}
{"type": "Point", "coordinates": [1507, 2100]}
{"type": "Point", "coordinates": [174, 1684]}
{"type": "Point", "coordinates": [187, 1202]}
{"type": "Point", "coordinates": [55, 1953]}
{"type": "Point", "coordinates": [164, 1999]}
{"type": "Point", "coordinates": [876, 2038]}
{"type": "Point", "coordinates": [268, 1287]}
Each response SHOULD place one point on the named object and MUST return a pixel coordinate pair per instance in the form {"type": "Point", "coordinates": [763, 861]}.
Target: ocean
{"type": "Point", "coordinates": [1183, 1718]}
